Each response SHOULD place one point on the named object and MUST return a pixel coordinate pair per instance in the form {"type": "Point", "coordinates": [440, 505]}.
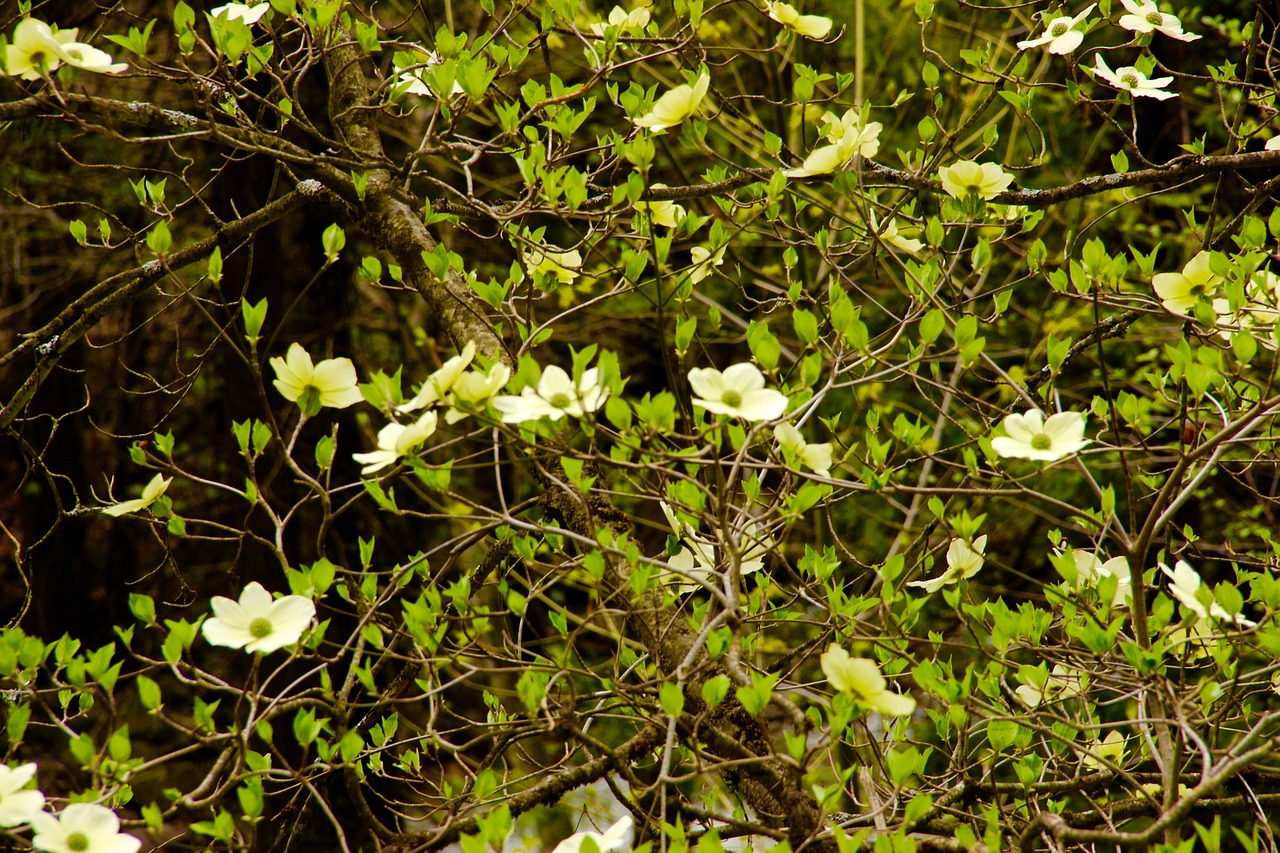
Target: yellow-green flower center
{"type": "Point", "coordinates": [561, 400]}
{"type": "Point", "coordinates": [309, 400]}
{"type": "Point", "coordinates": [260, 628]}
{"type": "Point", "coordinates": [1041, 441]}
{"type": "Point", "coordinates": [731, 398]}
{"type": "Point", "coordinates": [1155, 19]}
{"type": "Point", "coordinates": [1058, 28]}
{"type": "Point", "coordinates": [1130, 80]}
{"type": "Point", "coordinates": [77, 841]}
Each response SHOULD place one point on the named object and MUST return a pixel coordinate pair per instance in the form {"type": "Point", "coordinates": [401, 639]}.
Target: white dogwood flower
{"type": "Point", "coordinates": [242, 12]}
{"type": "Point", "coordinates": [738, 392]}
{"type": "Point", "coordinates": [1131, 80]}
{"type": "Point", "coordinates": [396, 441]}
{"type": "Point", "coordinates": [1185, 585]}
{"type": "Point", "coordinates": [82, 828]}
{"type": "Point", "coordinates": [1145, 17]}
{"type": "Point", "coordinates": [963, 561]}
{"type": "Point", "coordinates": [1091, 570]}
{"type": "Point", "coordinates": [627, 22]}
{"type": "Point", "coordinates": [411, 66]}
{"type": "Point", "coordinates": [555, 396]}
{"type": "Point", "coordinates": [35, 49]}
{"type": "Point", "coordinates": [89, 58]}
{"type": "Point", "coordinates": [696, 561]}
{"type": "Point", "coordinates": [256, 623]}
{"type": "Point", "coordinates": [616, 837]}
{"type": "Point", "coordinates": [1061, 33]}
{"type": "Point", "coordinates": [18, 803]}
{"type": "Point", "coordinates": [1030, 436]}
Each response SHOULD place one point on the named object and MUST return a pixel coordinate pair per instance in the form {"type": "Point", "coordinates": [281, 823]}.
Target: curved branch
{"type": "Point", "coordinates": [59, 334]}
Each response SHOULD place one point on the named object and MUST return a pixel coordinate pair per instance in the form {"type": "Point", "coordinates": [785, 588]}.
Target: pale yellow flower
{"type": "Point", "coordinates": [848, 136]}
{"type": "Point", "coordinates": [35, 49]}
{"type": "Point", "coordinates": [563, 265]}
{"type": "Point", "coordinates": [150, 493]}
{"type": "Point", "coordinates": [809, 26]}
{"type": "Point", "coordinates": [862, 678]}
{"type": "Point", "coordinates": [395, 441]}
{"type": "Point", "coordinates": [816, 457]}
{"type": "Point", "coordinates": [439, 383]}
{"type": "Point", "coordinates": [1110, 748]}
{"type": "Point", "coordinates": [963, 561]}
{"type": "Point", "coordinates": [475, 387]}
{"type": "Point", "coordinates": [676, 105]}
{"type": "Point", "coordinates": [332, 382]}
{"type": "Point", "coordinates": [1060, 682]}
{"type": "Point", "coordinates": [1179, 292]}
{"type": "Point", "coordinates": [890, 234]}
{"type": "Point", "coordinates": [966, 178]}
{"type": "Point", "coordinates": [627, 22]}
{"type": "Point", "coordinates": [704, 262]}
{"type": "Point", "coordinates": [665, 213]}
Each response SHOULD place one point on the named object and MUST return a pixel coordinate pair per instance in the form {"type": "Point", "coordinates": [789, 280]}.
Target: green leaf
{"type": "Point", "coordinates": [806, 325]}
{"type": "Point", "coordinates": [351, 747]}
{"type": "Point", "coordinates": [715, 689]}
{"type": "Point", "coordinates": [254, 315]}
{"type": "Point", "coordinates": [756, 697]}
{"type": "Point", "coordinates": [143, 607]}
{"type": "Point", "coordinates": [671, 699]}
{"type": "Point", "coordinates": [158, 238]}
{"type": "Point", "coordinates": [15, 724]}
{"type": "Point", "coordinates": [333, 240]}
{"type": "Point", "coordinates": [764, 346]}
{"type": "Point", "coordinates": [148, 692]}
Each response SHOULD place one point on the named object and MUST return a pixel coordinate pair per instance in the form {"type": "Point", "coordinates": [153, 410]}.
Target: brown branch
{"type": "Point", "coordinates": [547, 791]}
